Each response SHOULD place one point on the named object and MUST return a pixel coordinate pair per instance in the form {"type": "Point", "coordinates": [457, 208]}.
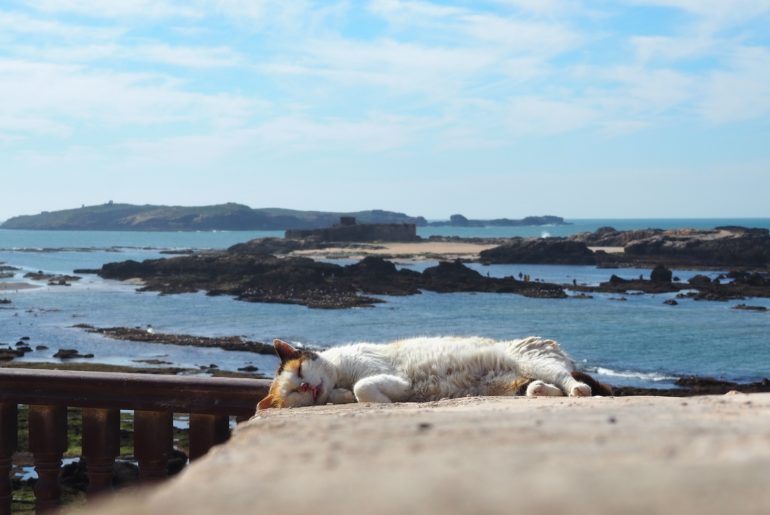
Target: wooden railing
{"type": "Point", "coordinates": [210, 402]}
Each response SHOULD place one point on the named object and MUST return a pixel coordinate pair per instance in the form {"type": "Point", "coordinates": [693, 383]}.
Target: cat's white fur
{"type": "Point", "coordinates": [422, 369]}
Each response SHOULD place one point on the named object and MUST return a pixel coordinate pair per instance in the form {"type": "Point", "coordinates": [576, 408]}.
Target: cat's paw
{"type": "Point", "coordinates": [580, 390]}
{"type": "Point", "coordinates": [542, 389]}
{"type": "Point", "coordinates": [341, 396]}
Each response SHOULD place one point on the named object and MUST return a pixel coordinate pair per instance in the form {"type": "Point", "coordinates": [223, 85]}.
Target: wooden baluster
{"type": "Point", "coordinates": [8, 417]}
{"type": "Point", "coordinates": [47, 441]}
{"type": "Point", "coordinates": [153, 442]}
{"type": "Point", "coordinates": [206, 431]}
{"type": "Point", "coordinates": [101, 443]}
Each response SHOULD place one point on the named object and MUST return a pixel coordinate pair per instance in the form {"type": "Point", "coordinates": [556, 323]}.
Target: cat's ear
{"type": "Point", "coordinates": [265, 403]}
{"type": "Point", "coordinates": [285, 351]}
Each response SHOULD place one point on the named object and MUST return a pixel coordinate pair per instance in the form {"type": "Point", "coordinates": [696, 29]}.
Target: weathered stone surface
{"type": "Point", "coordinates": [559, 251]}
{"type": "Point", "coordinates": [641, 455]}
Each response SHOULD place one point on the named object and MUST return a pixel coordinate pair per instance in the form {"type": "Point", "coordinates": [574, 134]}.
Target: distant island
{"type": "Point", "coordinates": [229, 217]}
{"type": "Point", "coordinates": [461, 221]}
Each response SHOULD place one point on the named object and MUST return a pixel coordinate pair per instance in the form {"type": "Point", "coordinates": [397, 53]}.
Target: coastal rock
{"type": "Point", "coordinates": [670, 302]}
{"type": "Point", "coordinates": [71, 354]}
{"type": "Point", "coordinates": [557, 251]}
{"type": "Point", "coordinates": [723, 246]}
{"type": "Point", "coordinates": [746, 307]}
{"type": "Point", "coordinates": [661, 274]}
{"type": "Point", "coordinates": [293, 280]}
{"type": "Point", "coordinates": [5, 301]}
{"type": "Point", "coordinates": [611, 237]}
{"type": "Point", "coordinates": [228, 343]}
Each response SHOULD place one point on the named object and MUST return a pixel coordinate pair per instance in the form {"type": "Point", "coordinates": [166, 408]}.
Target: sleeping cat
{"type": "Point", "coordinates": [425, 369]}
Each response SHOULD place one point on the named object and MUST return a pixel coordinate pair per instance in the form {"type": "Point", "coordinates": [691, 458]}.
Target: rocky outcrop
{"type": "Point", "coordinates": [721, 247]}
{"type": "Point", "coordinates": [556, 251]}
{"type": "Point", "coordinates": [611, 237]}
{"type": "Point", "coordinates": [292, 280]}
{"type": "Point", "coordinates": [136, 334]}
{"type": "Point", "coordinates": [661, 274]}
{"type": "Point", "coordinates": [71, 354]}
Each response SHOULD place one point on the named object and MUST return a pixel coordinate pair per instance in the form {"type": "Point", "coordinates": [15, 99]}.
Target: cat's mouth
{"type": "Point", "coordinates": [315, 391]}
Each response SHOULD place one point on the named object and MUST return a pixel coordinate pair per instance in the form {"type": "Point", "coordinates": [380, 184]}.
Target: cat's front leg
{"type": "Point", "coordinates": [381, 388]}
{"type": "Point", "coordinates": [341, 396]}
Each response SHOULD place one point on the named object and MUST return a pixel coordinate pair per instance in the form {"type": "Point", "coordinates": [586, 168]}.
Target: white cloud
{"type": "Point", "coordinates": [527, 116]}
{"type": "Point", "coordinates": [17, 23]}
{"type": "Point", "coordinates": [715, 13]}
{"type": "Point", "coordinates": [117, 9]}
{"type": "Point", "coordinates": [741, 91]}
{"type": "Point", "coordinates": [186, 57]}
{"type": "Point", "coordinates": [72, 95]}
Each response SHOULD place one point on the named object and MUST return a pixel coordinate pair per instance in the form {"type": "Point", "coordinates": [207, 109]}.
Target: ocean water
{"type": "Point", "coordinates": [638, 341]}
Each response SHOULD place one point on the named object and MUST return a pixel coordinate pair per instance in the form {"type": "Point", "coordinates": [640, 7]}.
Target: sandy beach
{"type": "Point", "coordinates": [637, 455]}
{"type": "Point", "coordinates": [17, 286]}
{"type": "Point", "coordinates": [403, 251]}
{"type": "Point", "coordinates": [417, 251]}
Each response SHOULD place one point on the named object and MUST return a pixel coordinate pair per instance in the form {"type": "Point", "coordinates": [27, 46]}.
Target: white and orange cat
{"type": "Point", "coordinates": [425, 369]}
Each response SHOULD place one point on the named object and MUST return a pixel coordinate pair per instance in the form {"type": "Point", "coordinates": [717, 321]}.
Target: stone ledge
{"type": "Point", "coordinates": [499, 455]}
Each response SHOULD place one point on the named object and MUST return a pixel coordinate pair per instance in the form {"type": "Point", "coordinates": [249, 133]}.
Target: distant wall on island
{"type": "Point", "coordinates": [349, 231]}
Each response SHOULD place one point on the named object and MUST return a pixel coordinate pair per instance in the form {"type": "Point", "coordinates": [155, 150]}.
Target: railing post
{"type": "Point", "coordinates": [153, 442]}
{"type": "Point", "coordinates": [101, 444]}
{"type": "Point", "coordinates": [8, 420]}
{"type": "Point", "coordinates": [206, 431]}
{"type": "Point", "coordinates": [47, 441]}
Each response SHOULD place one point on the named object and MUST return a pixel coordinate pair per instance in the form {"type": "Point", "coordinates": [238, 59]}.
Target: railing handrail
{"type": "Point", "coordinates": [210, 402]}
{"type": "Point", "coordinates": [182, 394]}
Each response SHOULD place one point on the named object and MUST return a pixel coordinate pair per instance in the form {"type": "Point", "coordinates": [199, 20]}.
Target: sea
{"type": "Point", "coordinates": [637, 341]}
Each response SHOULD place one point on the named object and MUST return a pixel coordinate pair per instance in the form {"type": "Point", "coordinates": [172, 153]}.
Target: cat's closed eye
{"type": "Point", "coordinates": [299, 371]}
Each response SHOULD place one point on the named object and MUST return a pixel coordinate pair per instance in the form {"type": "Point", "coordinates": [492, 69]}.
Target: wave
{"type": "Point", "coordinates": [630, 374]}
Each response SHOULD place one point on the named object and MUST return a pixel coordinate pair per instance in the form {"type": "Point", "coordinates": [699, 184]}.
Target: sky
{"type": "Point", "coordinates": [497, 108]}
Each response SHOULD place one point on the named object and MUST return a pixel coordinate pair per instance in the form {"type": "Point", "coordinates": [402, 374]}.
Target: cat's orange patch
{"type": "Point", "coordinates": [517, 387]}
{"type": "Point", "coordinates": [273, 398]}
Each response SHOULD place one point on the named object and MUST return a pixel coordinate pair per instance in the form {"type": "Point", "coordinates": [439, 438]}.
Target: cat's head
{"type": "Point", "coordinates": [304, 378]}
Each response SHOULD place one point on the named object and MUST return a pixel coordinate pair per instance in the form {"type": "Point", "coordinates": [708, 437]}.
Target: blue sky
{"type": "Point", "coordinates": [628, 108]}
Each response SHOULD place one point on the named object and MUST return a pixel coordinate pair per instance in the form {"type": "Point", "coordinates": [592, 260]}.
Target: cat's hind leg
{"type": "Point", "coordinates": [381, 388]}
{"type": "Point", "coordinates": [541, 389]}
{"type": "Point", "coordinates": [545, 360]}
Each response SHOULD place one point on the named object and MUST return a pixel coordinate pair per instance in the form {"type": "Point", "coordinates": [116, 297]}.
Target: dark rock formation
{"type": "Point", "coordinates": [262, 278]}
{"type": "Point", "coordinates": [661, 274]}
{"type": "Point", "coordinates": [692, 385]}
{"type": "Point", "coordinates": [231, 343]}
{"type": "Point", "coordinates": [5, 301]}
{"type": "Point", "coordinates": [71, 354]}
{"type": "Point", "coordinates": [556, 251]}
{"type": "Point", "coordinates": [670, 302]}
{"type": "Point", "coordinates": [746, 307]}
{"type": "Point", "coordinates": [721, 247]}
{"type": "Point", "coordinates": [610, 237]}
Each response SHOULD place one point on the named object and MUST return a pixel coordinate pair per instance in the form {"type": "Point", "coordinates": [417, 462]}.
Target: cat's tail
{"type": "Point", "coordinates": [597, 388]}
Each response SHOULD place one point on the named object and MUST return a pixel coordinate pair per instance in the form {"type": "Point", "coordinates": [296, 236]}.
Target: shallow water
{"type": "Point", "coordinates": [639, 341]}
